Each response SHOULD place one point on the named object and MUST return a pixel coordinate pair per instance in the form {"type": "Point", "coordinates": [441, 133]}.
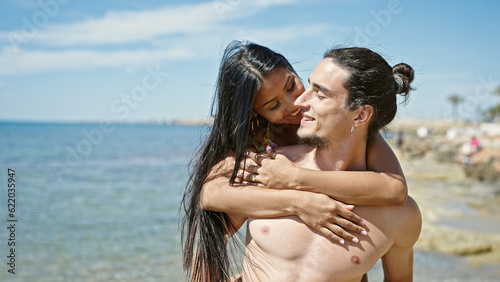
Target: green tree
{"type": "Point", "coordinates": [455, 100]}
{"type": "Point", "coordinates": [494, 112]}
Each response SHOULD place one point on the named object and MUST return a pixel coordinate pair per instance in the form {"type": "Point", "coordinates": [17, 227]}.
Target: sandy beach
{"type": "Point", "coordinates": [461, 214]}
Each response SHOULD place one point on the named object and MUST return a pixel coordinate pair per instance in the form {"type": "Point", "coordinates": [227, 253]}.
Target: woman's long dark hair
{"type": "Point", "coordinates": [244, 66]}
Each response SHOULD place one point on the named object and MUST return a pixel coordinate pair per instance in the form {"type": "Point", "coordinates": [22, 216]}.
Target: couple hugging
{"type": "Point", "coordinates": [324, 196]}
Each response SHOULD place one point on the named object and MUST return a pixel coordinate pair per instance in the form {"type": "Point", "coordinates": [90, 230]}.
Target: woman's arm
{"type": "Point", "coordinates": [384, 184]}
{"type": "Point", "coordinates": [319, 211]}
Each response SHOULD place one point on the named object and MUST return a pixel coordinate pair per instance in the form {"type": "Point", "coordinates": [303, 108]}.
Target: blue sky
{"type": "Point", "coordinates": [128, 61]}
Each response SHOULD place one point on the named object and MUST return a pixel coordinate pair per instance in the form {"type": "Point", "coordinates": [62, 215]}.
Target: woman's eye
{"type": "Point", "coordinates": [275, 106]}
{"type": "Point", "coordinates": [292, 86]}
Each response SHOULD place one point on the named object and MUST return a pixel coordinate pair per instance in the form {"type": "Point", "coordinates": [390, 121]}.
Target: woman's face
{"type": "Point", "coordinates": [276, 97]}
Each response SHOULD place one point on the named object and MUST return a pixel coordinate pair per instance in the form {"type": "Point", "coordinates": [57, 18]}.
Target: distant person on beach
{"type": "Point", "coordinates": [468, 150]}
{"type": "Point", "coordinates": [474, 145]}
{"type": "Point", "coordinates": [254, 107]}
{"type": "Point", "coordinates": [342, 108]}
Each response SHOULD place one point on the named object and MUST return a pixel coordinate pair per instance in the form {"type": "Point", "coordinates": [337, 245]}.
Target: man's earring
{"type": "Point", "coordinates": [352, 128]}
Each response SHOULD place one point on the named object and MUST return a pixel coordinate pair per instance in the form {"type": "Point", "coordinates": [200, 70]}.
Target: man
{"type": "Point", "coordinates": [343, 107]}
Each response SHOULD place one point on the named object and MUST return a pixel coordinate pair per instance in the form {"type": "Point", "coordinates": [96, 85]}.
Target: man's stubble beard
{"type": "Point", "coordinates": [314, 140]}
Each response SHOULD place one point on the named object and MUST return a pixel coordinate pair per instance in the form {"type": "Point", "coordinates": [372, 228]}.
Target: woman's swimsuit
{"type": "Point", "coordinates": [266, 141]}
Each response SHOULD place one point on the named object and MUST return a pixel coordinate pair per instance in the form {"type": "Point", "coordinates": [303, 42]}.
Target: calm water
{"type": "Point", "coordinates": [101, 204]}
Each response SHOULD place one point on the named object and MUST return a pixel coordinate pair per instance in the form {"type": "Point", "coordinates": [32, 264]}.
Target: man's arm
{"type": "Point", "coordinates": [398, 261]}
{"type": "Point", "coordinates": [398, 264]}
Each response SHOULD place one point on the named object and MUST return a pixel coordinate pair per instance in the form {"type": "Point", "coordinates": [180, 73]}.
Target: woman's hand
{"type": "Point", "coordinates": [269, 169]}
{"type": "Point", "coordinates": [331, 218]}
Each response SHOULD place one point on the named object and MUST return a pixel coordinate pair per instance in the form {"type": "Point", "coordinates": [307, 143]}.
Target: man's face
{"type": "Point", "coordinates": [325, 117]}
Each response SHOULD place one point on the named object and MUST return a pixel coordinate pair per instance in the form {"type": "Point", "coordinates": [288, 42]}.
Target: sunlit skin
{"type": "Point", "coordinates": [319, 100]}
{"type": "Point", "coordinates": [311, 195]}
{"type": "Point", "coordinates": [276, 97]}
{"type": "Point", "coordinates": [287, 250]}
{"type": "Point", "coordinates": [316, 197]}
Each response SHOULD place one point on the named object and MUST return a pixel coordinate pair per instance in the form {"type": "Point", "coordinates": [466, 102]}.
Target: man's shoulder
{"type": "Point", "coordinates": [409, 223]}
{"type": "Point", "coordinates": [411, 209]}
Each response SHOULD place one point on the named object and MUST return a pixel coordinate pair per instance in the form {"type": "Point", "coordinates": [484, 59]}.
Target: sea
{"type": "Point", "coordinates": [101, 202]}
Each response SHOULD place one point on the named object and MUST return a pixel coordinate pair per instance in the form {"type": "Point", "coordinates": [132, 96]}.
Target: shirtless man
{"type": "Point", "coordinates": [335, 127]}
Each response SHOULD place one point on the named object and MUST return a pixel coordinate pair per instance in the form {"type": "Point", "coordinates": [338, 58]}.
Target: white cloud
{"type": "Point", "coordinates": [27, 62]}
{"type": "Point", "coordinates": [187, 47]}
{"type": "Point", "coordinates": [183, 32]}
{"type": "Point", "coordinates": [127, 27]}
{"type": "Point", "coordinates": [118, 27]}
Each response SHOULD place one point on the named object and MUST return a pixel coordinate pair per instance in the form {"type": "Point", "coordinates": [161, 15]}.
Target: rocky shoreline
{"type": "Point", "coordinates": [460, 204]}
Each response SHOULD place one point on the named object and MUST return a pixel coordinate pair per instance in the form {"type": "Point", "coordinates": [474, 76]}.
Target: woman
{"type": "Point", "coordinates": [255, 93]}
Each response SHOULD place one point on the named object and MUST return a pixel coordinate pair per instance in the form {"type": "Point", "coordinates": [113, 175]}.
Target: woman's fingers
{"type": "Point", "coordinates": [271, 152]}
{"type": "Point", "coordinates": [351, 221]}
{"type": "Point", "coordinates": [333, 219]}
{"type": "Point", "coordinates": [248, 161]}
{"type": "Point", "coordinates": [339, 235]}
{"type": "Point", "coordinates": [346, 212]}
{"type": "Point", "coordinates": [331, 235]}
{"type": "Point", "coordinates": [337, 232]}
{"type": "Point", "coordinates": [252, 169]}
{"type": "Point", "coordinates": [346, 225]}
{"type": "Point", "coordinates": [245, 176]}
{"type": "Point", "coordinates": [257, 158]}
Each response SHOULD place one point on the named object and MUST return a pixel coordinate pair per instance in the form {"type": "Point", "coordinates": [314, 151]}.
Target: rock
{"type": "Point", "coordinates": [416, 147]}
{"type": "Point", "coordinates": [485, 165]}
{"type": "Point", "coordinates": [457, 242]}
{"type": "Point", "coordinates": [490, 129]}
{"type": "Point", "coordinates": [469, 248]}
{"type": "Point", "coordinates": [450, 147]}
{"type": "Point", "coordinates": [446, 153]}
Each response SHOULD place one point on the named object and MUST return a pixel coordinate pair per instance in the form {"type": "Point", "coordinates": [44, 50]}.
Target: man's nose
{"type": "Point", "coordinates": [302, 100]}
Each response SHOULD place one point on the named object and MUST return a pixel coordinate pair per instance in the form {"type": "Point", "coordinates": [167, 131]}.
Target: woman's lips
{"type": "Point", "coordinates": [296, 112]}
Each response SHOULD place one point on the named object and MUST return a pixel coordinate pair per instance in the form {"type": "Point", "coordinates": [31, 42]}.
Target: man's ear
{"type": "Point", "coordinates": [364, 116]}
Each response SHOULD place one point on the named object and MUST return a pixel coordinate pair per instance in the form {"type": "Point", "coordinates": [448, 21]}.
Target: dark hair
{"type": "Point", "coordinates": [371, 81]}
{"type": "Point", "coordinates": [244, 66]}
